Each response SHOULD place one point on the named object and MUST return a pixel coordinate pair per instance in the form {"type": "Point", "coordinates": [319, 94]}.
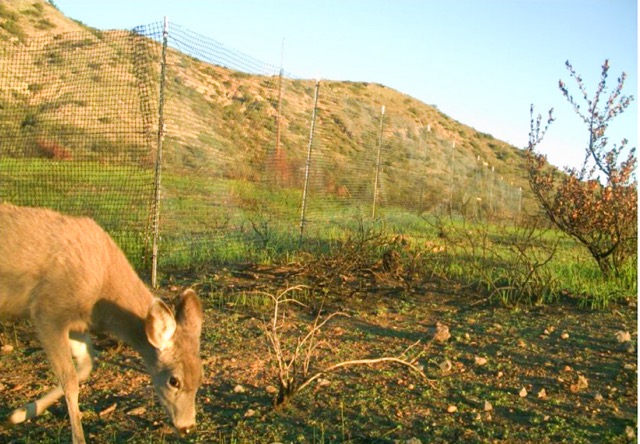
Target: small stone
{"type": "Point", "coordinates": [630, 432]}
{"type": "Point", "coordinates": [623, 336]}
{"type": "Point", "coordinates": [445, 366]}
{"type": "Point", "coordinates": [523, 393]}
{"type": "Point", "coordinates": [442, 333]}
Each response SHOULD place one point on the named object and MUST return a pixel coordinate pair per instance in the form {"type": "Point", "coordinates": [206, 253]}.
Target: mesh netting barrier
{"type": "Point", "coordinates": [254, 161]}
{"type": "Point", "coordinates": [76, 130]}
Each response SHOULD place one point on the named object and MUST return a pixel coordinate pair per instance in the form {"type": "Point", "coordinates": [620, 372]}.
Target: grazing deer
{"type": "Point", "coordinates": [69, 277]}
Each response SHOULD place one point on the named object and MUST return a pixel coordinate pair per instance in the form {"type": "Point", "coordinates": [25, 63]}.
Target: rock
{"type": "Point", "coordinates": [445, 366]}
{"type": "Point", "coordinates": [442, 333]}
{"type": "Point", "coordinates": [523, 393]}
{"type": "Point", "coordinates": [623, 336]}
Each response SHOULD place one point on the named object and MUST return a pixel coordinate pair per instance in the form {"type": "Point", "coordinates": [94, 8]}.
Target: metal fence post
{"type": "Point", "coordinates": [305, 190]}
{"type": "Point", "coordinates": [158, 166]}
{"type": "Point", "coordinates": [377, 175]}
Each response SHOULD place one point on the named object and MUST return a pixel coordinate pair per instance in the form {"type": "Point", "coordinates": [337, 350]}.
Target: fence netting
{"type": "Point", "coordinates": [254, 161]}
{"type": "Point", "coordinates": [76, 129]}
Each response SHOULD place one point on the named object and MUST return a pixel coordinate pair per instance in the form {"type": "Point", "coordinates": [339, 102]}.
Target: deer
{"type": "Point", "coordinates": [68, 276]}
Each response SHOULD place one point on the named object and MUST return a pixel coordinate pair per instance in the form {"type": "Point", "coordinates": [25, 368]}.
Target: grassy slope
{"type": "Point", "coordinates": [222, 122]}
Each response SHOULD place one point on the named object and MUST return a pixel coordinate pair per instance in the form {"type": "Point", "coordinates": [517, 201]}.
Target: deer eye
{"type": "Point", "coordinates": [174, 382]}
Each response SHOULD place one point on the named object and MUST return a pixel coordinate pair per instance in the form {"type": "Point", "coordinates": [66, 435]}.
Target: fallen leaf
{"type": "Point", "coordinates": [249, 413]}
{"type": "Point", "coordinates": [487, 406]}
{"type": "Point", "coordinates": [542, 394]}
{"type": "Point", "coordinates": [564, 335]}
{"type": "Point", "coordinates": [581, 384]}
{"type": "Point", "coordinates": [452, 409]}
{"type": "Point", "coordinates": [480, 360]}
{"type": "Point", "coordinates": [239, 389]}
{"type": "Point", "coordinates": [6, 349]}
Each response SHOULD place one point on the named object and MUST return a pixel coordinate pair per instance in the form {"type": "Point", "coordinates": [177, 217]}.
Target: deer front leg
{"type": "Point", "coordinates": [82, 350]}
{"type": "Point", "coordinates": [57, 345]}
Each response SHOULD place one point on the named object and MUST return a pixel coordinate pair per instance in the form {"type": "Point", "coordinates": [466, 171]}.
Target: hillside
{"type": "Point", "coordinates": [220, 122]}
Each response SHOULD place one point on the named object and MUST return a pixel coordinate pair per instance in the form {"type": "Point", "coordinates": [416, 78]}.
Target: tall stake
{"type": "Point", "coordinates": [280, 167]}
{"type": "Point", "coordinates": [377, 175]}
{"type": "Point", "coordinates": [305, 190]}
{"type": "Point", "coordinates": [426, 169]}
{"type": "Point", "coordinates": [453, 154]}
{"type": "Point", "coordinates": [156, 200]}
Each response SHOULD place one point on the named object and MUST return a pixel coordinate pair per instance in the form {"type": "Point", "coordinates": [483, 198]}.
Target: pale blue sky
{"type": "Point", "coordinates": [482, 62]}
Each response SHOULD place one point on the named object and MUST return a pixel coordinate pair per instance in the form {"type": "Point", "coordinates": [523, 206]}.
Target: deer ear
{"type": "Point", "coordinates": [160, 325]}
{"type": "Point", "coordinates": [189, 312]}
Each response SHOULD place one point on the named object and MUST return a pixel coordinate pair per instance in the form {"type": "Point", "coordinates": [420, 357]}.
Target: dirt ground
{"type": "Point", "coordinates": [504, 375]}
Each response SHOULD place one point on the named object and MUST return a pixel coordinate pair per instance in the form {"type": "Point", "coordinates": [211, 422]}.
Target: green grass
{"type": "Point", "coordinates": [208, 222]}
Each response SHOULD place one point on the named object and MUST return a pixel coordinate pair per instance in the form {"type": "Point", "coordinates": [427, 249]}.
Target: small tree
{"type": "Point", "coordinates": [597, 203]}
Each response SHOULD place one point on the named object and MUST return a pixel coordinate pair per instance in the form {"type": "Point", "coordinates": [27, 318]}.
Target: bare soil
{"type": "Point", "coordinates": [543, 374]}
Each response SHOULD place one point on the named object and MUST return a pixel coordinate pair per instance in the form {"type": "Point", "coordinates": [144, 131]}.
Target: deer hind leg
{"type": "Point", "coordinates": [60, 352]}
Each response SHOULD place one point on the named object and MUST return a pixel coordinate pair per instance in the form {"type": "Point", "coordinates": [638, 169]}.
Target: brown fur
{"type": "Point", "coordinates": [69, 277]}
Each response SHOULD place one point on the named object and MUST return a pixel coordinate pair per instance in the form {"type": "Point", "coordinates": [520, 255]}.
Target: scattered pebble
{"type": "Point", "coordinates": [445, 366]}
{"type": "Point", "coordinates": [523, 393]}
{"type": "Point", "coordinates": [442, 333]}
{"type": "Point", "coordinates": [623, 336]}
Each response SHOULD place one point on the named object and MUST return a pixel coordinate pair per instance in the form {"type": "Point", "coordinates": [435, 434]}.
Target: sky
{"type": "Point", "coordinates": [481, 62]}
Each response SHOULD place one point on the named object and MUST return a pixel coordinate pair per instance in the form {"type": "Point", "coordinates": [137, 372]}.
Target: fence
{"type": "Point", "coordinates": [238, 158]}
